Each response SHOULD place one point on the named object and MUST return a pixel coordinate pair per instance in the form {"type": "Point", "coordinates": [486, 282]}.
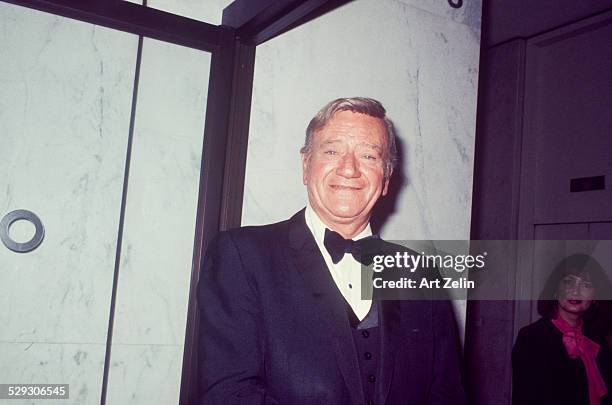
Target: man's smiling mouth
{"type": "Point", "coordinates": [345, 187]}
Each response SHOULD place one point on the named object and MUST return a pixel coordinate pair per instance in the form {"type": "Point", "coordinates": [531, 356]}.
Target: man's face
{"type": "Point", "coordinates": [344, 170]}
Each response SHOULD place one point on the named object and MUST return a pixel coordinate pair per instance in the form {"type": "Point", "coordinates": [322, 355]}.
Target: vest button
{"type": "Point", "coordinates": [372, 378]}
{"type": "Point", "coordinates": [370, 402]}
{"type": "Point", "coordinates": [365, 334]}
{"type": "Point", "coordinates": [367, 355]}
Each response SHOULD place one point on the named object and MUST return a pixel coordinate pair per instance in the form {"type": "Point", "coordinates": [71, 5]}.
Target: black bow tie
{"type": "Point", "coordinates": [337, 246]}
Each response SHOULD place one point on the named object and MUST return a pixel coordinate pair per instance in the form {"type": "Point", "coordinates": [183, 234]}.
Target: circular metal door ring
{"type": "Point", "coordinates": [24, 215]}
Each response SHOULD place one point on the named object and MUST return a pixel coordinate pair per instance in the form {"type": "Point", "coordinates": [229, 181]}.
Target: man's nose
{"type": "Point", "coordinates": [348, 166]}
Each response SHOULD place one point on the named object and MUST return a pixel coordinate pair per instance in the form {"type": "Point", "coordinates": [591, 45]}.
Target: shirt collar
{"type": "Point", "coordinates": [317, 227]}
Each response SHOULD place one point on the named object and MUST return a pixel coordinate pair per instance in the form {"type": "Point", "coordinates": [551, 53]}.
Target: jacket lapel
{"type": "Point", "coordinates": [311, 266]}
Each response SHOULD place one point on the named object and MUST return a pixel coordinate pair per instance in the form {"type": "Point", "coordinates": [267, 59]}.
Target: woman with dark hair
{"type": "Point", "coordinates": [562, 359]}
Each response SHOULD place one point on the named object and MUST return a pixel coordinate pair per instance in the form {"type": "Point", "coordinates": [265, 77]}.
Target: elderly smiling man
{"type": "Point", "coordinates": [282, 316]}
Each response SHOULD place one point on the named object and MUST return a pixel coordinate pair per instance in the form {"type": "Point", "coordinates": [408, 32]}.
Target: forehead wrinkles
{"type": "Point", "coordinates": [360, 133]}
{"type": "Point", "coordinates": [366, 144]}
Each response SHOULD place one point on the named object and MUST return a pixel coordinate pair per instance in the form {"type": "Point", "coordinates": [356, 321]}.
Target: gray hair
{"type": "Point", "coordinates": [362, 105]}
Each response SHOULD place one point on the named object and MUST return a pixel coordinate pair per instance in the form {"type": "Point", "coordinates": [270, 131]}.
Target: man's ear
{"type": "Point", "coordinates": [386, 183]}
{"type": "Point", "coordinates": [305, 161]}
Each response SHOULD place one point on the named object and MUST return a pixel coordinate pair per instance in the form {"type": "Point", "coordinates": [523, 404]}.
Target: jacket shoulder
{"type": "Point", "coordinates": [259, 238]}
{"type": "Point", "coordinates": [542, 326]}
{"type": "Point", "coordinates": [257, 231]}
{"type": "Point", "coordinates": [535, 336]}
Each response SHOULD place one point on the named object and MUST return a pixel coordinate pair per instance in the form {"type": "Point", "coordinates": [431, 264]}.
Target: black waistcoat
{"type": "Point", "coordinates": [366, 335]}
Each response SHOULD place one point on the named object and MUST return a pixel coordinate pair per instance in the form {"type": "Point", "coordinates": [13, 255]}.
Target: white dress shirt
{"type": "Point", "coordinates": [347, 272]}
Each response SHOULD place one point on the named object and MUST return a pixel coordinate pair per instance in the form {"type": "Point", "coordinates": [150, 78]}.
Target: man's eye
{"type": "Point", "coordinates": [370, 157]}
{"type": "Point", "coordinates": [587, 284]}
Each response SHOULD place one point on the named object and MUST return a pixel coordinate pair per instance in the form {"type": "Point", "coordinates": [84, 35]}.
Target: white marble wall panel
{"type": "Point", "coordinates": [158, 236]}
{"type": "Point", "coordinates": [420, 62]}
{"type": "Point", "coordinates": [78, 365]}
{"type": "Point", "coordinates": [64, 121]}
{"type": "Point", "coordinates": [145, 375]}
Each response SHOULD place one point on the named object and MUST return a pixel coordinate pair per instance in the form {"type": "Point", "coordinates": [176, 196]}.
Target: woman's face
{"type": "Point", "coordinates": [575, 294]}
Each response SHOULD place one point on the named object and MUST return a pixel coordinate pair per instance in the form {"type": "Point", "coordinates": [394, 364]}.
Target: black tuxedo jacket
{"type": "Point", "coordinates": [274, 329]}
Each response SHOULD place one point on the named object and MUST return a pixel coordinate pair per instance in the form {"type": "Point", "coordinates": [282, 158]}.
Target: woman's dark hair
{"type": "Point", "coordinates": [580, 265]}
